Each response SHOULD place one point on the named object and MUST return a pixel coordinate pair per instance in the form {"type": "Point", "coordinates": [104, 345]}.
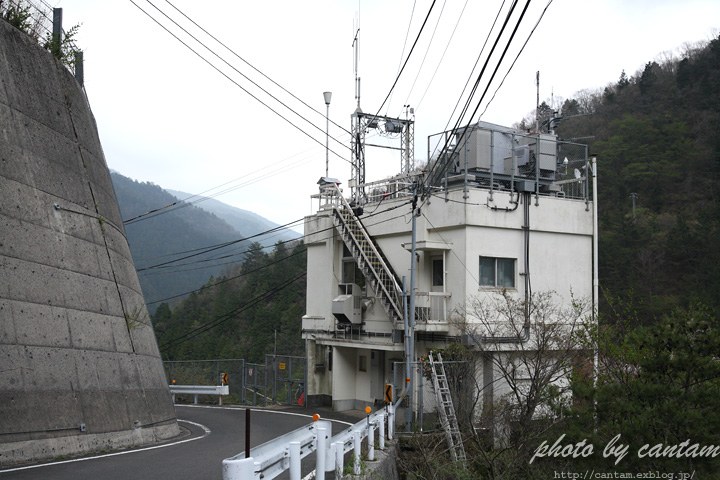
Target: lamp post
{"type": "Point", "coordinates": [328, 96]}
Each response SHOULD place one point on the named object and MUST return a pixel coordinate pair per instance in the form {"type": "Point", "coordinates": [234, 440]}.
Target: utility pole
{"type": "Point", "coordinates": [634, 197]}
{"type": "Point", "coordinates": [411, 322]}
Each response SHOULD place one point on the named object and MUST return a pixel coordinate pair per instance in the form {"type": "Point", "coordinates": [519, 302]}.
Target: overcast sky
{"type": "Point", "coordinates": [165, 116]}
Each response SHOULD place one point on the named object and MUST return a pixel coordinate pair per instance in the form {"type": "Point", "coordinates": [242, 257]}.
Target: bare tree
{"type": "Point", "coordinates": [528, 350]}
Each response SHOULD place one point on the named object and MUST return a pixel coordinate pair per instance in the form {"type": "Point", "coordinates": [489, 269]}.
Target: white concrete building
{"type": "Point", "coordinates": [501, 211]}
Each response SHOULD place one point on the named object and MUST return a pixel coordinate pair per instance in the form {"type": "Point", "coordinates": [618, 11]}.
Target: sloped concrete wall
{"type": "Point", "coordinates": [77, 350]}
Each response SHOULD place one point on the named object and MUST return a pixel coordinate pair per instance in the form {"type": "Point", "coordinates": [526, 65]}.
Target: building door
{"type": "Point", "coordinates": [437, 303]}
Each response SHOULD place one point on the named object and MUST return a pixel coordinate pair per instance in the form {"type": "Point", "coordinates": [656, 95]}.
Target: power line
{"type": "Point", "coordinates": [184, 203]}
{"type": "Point", "coordinates": [236, 70]}
{"type": "Point", "coordinates": [443, 55]}
{"type": "Point", "coordinates": [228, 279]}
{"type": "Point", "coordinates": [251, 66]}
{"type": "Point", "coordinates": [406, 60]}
{"type": "Point", "coordinates": [256, 300]}
{"type": "Point", "coordinates": [211, 248]}
{"type": "Point", "coordinates": [502, 56]}
{"type": "Point", "coordinates": [516, 57]}
{"type": "Point", "coordinates": [426, 52]}
{"type": "Point", "coordinates": [219, 246]}
{"type": "Point", "coordinates": [233, 81]}
{"type": "Point", "coordinates": [230, 314]}
{"type": "Point", "coordinates": [407, 34]}
{"type": "Point", "coordinates": [477, 60]}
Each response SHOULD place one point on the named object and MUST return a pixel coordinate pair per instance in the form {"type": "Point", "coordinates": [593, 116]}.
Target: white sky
{"type": "Point", "coordinates": [167, 117]}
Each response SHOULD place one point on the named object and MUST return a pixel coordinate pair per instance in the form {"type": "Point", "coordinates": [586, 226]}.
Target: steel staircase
{"type": "Point", "coordinates": [448, 418]}
{"type": "Point", "coordinates": [368, 256]}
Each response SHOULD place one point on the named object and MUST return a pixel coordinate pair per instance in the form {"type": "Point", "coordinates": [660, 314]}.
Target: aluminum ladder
{"type": "Point", "coordinates": [448, 419]}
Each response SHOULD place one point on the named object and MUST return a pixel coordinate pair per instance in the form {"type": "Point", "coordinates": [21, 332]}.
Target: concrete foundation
{"type": "Point", "coordinates": [79, 365]}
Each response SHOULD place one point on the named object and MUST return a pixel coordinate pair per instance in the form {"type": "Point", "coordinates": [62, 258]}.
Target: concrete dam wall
{"type": "Point", "coordinates": [80, 368]}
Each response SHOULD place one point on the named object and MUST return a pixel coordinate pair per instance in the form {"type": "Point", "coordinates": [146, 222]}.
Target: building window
{"type": "Point", "coordinates": [438, 273]}
{"type": "Point", "coordinates": [497, 272]}
{"type": "Point", "coordinates": [363, 363]}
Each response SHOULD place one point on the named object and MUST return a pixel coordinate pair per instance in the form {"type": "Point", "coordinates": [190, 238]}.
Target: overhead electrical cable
{"type": "Point", "coordinates": [219, 246]}
{"type": "Point", "coordinates": [240, 73]}
{"type": "Point", "coordinates": [426, 52]}
{"type": "Point", "coordinates": [516, 58]}
{"type": "Point", "coordinates": [171, 263]}
{"type": "Point", "coordinates": [502, 56]}
{"type": "Point", "coordinates": [232, 313]}
{"type": "Point", "coordinates": [477, 60]}
{"type": "Point", "coordinates": [406, 60]}
{"type": "Point", "coordinates": [442, 57]}
{"type": "Point", "coordinates": [407, 34]}
{"type": "Point", "coordinates": [236, 83]}
{"type": "Point", "coordinates": [184, 203]}
{"type": "Point", "coordinates": [173, 269]}
{"type": "Point", "coordinates": [229, 279]}
{"type": "Point", "coordinates": [251, 66]}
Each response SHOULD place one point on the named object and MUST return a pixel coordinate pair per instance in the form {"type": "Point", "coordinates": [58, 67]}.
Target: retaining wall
{"type": "Point", "coordinates": [80, 368]}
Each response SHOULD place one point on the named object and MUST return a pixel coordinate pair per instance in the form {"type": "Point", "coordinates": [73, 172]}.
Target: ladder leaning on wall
{"type": "Point", "coordinates": [448, 419]}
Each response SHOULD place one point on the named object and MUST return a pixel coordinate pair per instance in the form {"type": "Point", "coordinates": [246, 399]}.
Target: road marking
{"type": "Point", "coordinates": [203, 427]}
{"type": "Point", "coordinates": [74, 460]}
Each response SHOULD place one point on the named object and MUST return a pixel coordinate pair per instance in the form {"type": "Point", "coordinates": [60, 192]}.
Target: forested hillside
{"type": "Point", "coordinates": [169, 234]}
{"type": "Point", "coordinates": [237, 316]}
{"type": "Point", "coordinates": [657, 138]}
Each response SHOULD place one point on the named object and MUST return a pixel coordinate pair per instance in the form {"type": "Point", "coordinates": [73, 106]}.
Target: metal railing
{"type": "Point", "coordinates": [196, 390]}
{"type": "Point", "coordinates": [431, 306]}
{"type": "Point", "coordinates": [280, 380]}
{"type": "Point", "coordinates": [497, 158]}
{"type": "Point", "coordinates": [272, 458]}
{"type": "Point", "coordinates": [371, 260]}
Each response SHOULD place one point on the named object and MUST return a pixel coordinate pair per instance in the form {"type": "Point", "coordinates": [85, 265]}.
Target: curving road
{"type": "Point", "coordinates": [211, 435]}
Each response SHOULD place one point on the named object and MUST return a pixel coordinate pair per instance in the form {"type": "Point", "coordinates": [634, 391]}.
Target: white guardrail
{"type": "Point", "coordinates": [270, 459]}
{"type": "Point", "coordinates": [196, 390]}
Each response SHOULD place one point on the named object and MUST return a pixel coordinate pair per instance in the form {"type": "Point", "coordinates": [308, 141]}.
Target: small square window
{"type": "Point", "coordinates": [497, 272]}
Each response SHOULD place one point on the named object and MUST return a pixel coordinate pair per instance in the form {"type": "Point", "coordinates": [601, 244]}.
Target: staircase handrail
{"type": "Point", "coordinates": [398, 289]}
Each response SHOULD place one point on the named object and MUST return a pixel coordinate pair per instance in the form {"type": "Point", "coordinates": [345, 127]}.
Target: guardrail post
{"type": "Point", "coordinates": [295, 461]}
{"type": "Point", "coordinates": [357, 438]}
{"type": "Point", "coordinates": [391, 421]}
{"type": "Point", "coordinates": [339, 458]}
{"type": "Point", "coordinates": [242, 469]}
{"type": "Point", "coordinates": [371, 442]}
{"type": "Point", "coordinates": [320, 455]}
{"type": "Point", "coordinates": [381, 433]}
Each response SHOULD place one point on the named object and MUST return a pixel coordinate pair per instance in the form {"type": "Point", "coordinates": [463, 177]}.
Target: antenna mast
{"type": "Point", "coordinates": [537, 103]}
{"type": "Point", "coordinates": [356, 46]}
{"type": "Point", "coordinates": [357, 141]}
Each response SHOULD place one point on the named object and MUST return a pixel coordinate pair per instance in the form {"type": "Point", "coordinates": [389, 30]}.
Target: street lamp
{"type": "Point", "coordinates": [328, 96]}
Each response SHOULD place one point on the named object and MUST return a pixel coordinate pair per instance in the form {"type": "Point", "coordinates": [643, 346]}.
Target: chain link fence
{"type": "Point", "coordinates": [279, 381]}
{"type": "Point", "coordinates": [43, 23]}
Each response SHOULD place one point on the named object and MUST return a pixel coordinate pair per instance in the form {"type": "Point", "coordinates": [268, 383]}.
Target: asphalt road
{"type": "Point", "coordinates": [211, 435]}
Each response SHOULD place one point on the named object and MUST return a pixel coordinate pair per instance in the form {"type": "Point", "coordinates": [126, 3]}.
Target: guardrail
{"type": "Point", "coordinates": [196, 390]}
{"type": "Point", "coordinates": [270, 459]}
